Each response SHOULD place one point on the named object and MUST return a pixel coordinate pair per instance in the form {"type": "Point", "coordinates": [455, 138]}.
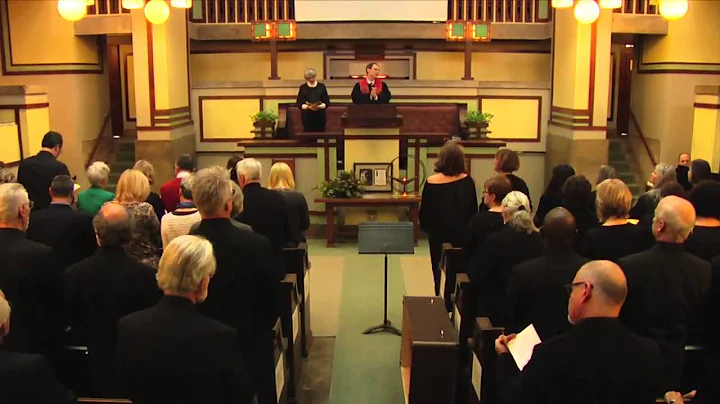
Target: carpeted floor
{"type": "Point", "coordinates": [365, 367]}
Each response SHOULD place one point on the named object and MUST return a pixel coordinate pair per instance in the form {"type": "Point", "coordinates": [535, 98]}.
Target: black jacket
{"type": "Point", "coordinates": [298, 216]}
{"type": "Point", "coordinates": [99, 290]}
{"type": "Point", "coordinates": [266, 212]}
{"type": "Point", "coordinates": [599, 361]}
{"type": "Point", "coordinates": [68, 231]}
{"type": "Point", "coordinates": [28, 379]}
{"type": "Point", "coordinates": [536, 292]}
{"type": "Point", "coordinates": [170, 353]}
{"type": "Point", "coordinates": [31, 279]}
{"type": "Point", "coordinates": [36, 173]}
{"type": "Point", "coordinates": [667, 290]}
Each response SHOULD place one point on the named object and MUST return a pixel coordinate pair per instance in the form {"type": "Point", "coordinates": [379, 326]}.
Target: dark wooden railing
{"type": "Point", "coordinates": [242, 11]}
{"type": "Point", "coordinates": [640, 133]}
{"type": "Point", "coordinates": [641, 7]}
{"type": "Point", "coordinates": [107, 7]}
{"type": "Point", "coordinates": [505, 11]}
{"type": "Point", "coordinates": [103, 137]}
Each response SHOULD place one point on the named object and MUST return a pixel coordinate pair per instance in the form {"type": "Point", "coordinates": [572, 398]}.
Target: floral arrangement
{"type": "Point", "coordinates": [346, 185]}
{"type": "Point", "coordinates": [478, 117]}
{"type": "Point", "coordinates": [265, 116]}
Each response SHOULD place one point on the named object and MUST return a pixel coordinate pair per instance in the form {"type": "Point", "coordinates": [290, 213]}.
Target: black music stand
{"type": "Point", "coordinates": [386, 238]}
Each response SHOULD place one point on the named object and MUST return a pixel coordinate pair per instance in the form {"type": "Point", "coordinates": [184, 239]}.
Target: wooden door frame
{"type": "Point", "coordinates": [116, 93]}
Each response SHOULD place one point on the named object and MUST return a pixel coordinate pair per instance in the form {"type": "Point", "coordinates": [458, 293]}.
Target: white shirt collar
{"type": "Point", "coordinates": [368, 80]}
{"type": "Point", "coordinates": [182, 174]}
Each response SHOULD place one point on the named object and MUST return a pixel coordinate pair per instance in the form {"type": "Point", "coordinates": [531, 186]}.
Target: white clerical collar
{"type": "Point", "coordinates": [368, 80]}
{"type": "Point", "coordinates": [182, 174]}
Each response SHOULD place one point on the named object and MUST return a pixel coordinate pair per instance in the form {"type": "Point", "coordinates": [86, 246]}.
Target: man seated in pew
{"type": "Point", "coordinates": [371, 89]}
{"type": "Point", "coordinates": [101, 289]}
{"type": "Point", "coordinates": [668, 287]}
{"type": "Point", "coordinates": [171, 353]}
{"type": "Point", "coordinates": [536, 288]}
{"type": "Point", "coordinates": [245, 291]}
{"type": "Point", "coordinates": [598, 361]}
{"type": "Point", "coordinates": [26, 378]}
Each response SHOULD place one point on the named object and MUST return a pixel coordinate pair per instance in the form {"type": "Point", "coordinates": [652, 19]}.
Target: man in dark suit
{"type": "Point", "coordinates": [35, 173]}
{"type": "Point", "coordinates": [244, 292]}
{"type": "Point", "coordinates": [536, 288]}
{"type": "Point", "coordinates": [598, 361]}
{"type": "Point", "coordinates": [30, 278]}
{"type": "Point", "coordinates": [26, 378]}
{"type": "Point", "coordinates": [668, 286]}
{"type": "Point", "coordinates": [265, 211]}
{"type": "Point", "coordinates": [104, 287]}
{"type": "Point", "coordinates": [170, 191]}
{"type": "Point", "coordinates": [171, 353]}
{"type": "Point", "coordinates": [68, 231]}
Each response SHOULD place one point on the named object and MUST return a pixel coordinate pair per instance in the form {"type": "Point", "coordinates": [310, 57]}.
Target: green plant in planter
{"type": "Point", "coordinates": [265, 118]}
{"type": "Point", "coordinates": [346, 185]}
{"type": "Point", "coordinates": [474, 117]}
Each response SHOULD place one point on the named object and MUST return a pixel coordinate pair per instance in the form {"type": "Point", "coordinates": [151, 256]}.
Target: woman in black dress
{"type": "Point", "coordinates": [646, 203]}
{"type": "Point", "coordinates": [616, 237]}
{"type": "Point", "coordinates": [449, 200]}
{"type": "Point", "coordinates": [699, 171]}
{"type": "Point", "coordinates": [312, 100]}
{"type": "Point", "coordinates": [704, 241]}
{"type": "Point", "coordinates": [552, 198]}
{"type": "Point", "coordinates": [489, 221]}
{"type": "Point", "coordinates": [577, 192]}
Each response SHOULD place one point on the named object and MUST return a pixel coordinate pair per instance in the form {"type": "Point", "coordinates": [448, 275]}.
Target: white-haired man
{"type": "Point", "coordinates": [668, 286]}
{"type": "Point", "coordinates": [30, 277]}
{"type": "Point", "coordinates": [171, 353]}
{"type": "Point", "coordinates": [26, 378]}
{"type": "Point", "coordinates": [264, 210]}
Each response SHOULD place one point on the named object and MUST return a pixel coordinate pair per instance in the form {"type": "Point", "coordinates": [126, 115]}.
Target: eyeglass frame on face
{"type": "Point", "coordinates": [570, 286]}
{"type": "Point", "coordinates": [31, 204]}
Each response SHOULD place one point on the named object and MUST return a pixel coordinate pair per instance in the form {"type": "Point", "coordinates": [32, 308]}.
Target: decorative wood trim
{"type": "Point", "coordinates": [221, 97]}
{"type": "Point", "coordinates": [127, 90]}
{"type": "Point", "coordinates": [537, 98]}
{"type": "Point", "coordinates": [469, 155]}
{"type": "Point", "coordinates": [172, 111]}
{"type": "Point", "coordinates": [164, 128]}
{"type": "Point", "coordinates": [26, 106]}
{"type": "Point", "coordinates": [174, 119]}
{"type": "Point", "coordinates": [552, 58]}
{"type": "Point", "coordinates": [673, 69]}
{"type": "Point", "coordinates": [19, 134]}
{"type": "Point", "coordinates": [271, 143]}
{"type": "Point", "coordinates": [151, 71]}
{"type": "Point", "coordinates": [570, 111]}
{"type": "Point", "coordinates": [613, 87]}
{"type": "Point", "coordinates": [317, 213]}
{"type": "Point", "coordinates": [187, 60]}
{"type": "Point", "coordinates": [280, 155]}
{"type": "Point", "coordinates": [326, 150]}
{"type": "Point", "coordinates": [706, 106]}
{"type": "Point", "coordinates": [585, 128]}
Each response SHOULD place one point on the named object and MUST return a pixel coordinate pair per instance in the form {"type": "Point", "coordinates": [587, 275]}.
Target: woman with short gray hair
{"type": "Point", "coordinates": [93, 198]}
{"type": "Point", "coordinates": [312, 100]}
{"type": "Point", "coordinates": [662, 174]}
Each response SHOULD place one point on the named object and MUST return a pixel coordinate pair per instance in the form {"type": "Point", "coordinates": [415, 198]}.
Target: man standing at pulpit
{"type": "Point", "coordinates": [371, 90]}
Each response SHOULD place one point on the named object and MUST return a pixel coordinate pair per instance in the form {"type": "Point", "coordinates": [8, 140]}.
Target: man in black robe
{"type": "Point", "coordinates": [371, 90]}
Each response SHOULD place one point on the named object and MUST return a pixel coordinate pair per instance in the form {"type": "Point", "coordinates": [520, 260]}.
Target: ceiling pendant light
{"type": "Point", "coordinates": [587, 11]}
{"type": "Point", "coordinates": [673, 9]}
{"type": "Point", "coordinates": [157, 11]}
{"type": "Point", "coordinates": [72, 10]}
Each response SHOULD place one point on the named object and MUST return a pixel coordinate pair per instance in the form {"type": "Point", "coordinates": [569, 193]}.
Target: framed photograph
{"type": "Point", "coordinates": [376, 177]}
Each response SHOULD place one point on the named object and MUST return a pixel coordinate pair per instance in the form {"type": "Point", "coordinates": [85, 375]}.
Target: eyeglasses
{"type": "Point", "coordinates": [570, 286]}
{"type": "Point", "coordinates": [31, 204]}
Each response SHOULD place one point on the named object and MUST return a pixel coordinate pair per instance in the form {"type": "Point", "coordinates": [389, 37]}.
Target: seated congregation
{"type": "Point", "coordinates": [178, 297]}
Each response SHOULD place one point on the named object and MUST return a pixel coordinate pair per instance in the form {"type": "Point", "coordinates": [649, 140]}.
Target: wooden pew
{"type": "Point", "coordinates": [290, 319]}
{"type": "Point", "coordinates": [463, 318]}
{"type": "Point", "coordinates": [428, 352]}
{"type": "Point", "coordinates": [452, 262]}
{"type": "Point", "coordinates": [280, 361]}
{"type": "Point", "coordinates": [483, 363]}
{"type": "Point", "coordinates": [296, 263]}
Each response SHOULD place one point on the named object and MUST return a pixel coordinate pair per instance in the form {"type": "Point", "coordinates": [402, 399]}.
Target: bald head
{"type": "Point", "coordinates": [608, 280]}
{"type": "Point", "coordinates": [112, 225]}
{"type": "Point", "coordinates": [674, 220]}
{"type": "Point", "coordinates": [559, 227]}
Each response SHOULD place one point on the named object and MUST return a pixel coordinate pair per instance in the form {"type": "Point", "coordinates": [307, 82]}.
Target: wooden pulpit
{"type": "Point", "coordinates": [371, 116]}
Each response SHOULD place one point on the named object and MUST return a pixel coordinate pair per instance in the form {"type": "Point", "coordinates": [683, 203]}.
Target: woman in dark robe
{"type": "Point", "coordinates": [312, 100]}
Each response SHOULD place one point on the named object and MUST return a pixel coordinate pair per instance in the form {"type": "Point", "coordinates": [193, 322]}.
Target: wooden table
{"type": "Point", "coordinates": [412, 202]}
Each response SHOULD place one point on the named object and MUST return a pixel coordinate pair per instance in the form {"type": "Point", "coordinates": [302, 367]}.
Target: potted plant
{"type": "Point", "coordinates": [477, 122]}
{"type": "Point", "coordinates": [346, 185]}
{"type": "Point", "coordinates": [264, 122]}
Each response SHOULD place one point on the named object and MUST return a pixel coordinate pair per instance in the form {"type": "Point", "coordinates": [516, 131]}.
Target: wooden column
{"type": "Point", "coordinates": [468, 54]}
{"type": "Point", "coordinates": [273, 58]}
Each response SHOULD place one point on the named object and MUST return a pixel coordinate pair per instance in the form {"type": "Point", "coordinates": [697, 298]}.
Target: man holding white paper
{"type": "Point", "coordinates": [598, 361]}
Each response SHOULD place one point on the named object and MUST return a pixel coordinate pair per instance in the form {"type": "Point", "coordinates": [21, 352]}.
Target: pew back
{"type": "Point", "coordinates": [296, 262]}
{"type": "Point", "coordinates": [290, 319]}
{"type": "Point", "coordinates": [483, 388]}
{"type": "Point", "coordinates": [452, 262]}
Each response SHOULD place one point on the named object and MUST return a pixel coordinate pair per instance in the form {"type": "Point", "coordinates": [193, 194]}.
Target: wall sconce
{"type": "Point", "coordinates": [479, 31]}
{"type": "Point", "coordinates": [273, 31]}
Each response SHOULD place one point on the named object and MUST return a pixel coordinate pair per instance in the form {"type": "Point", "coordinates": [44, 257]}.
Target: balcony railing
{"type": "Point", "coordinates": [240, 11]}
{"type": "Point", "coordinates": [504, 11]}
{"type": "Point", "coordinates": [641, 7]}
{"type": "Point", "coordinates": [106, 7]}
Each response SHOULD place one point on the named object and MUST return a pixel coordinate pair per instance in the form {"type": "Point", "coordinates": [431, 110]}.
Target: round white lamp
{"type": "Point", "coordinates": [157, 11]}
{"type": "Point", "coordinates": [562, 3]}
{"type": "Point", "coordinates": [133, 4]}
{"type": "Point", "coordinates": [610, 4]}
{"type": "Point", "coordinates": [673, 9]}
{"type": "Point", "coordinates": [587, 11]}
{"type": "Point", "coordinates": [72, 10]}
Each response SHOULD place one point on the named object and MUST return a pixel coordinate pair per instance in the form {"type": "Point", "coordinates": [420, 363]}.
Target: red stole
{"type": "Point", "coordinates": [365, 86]}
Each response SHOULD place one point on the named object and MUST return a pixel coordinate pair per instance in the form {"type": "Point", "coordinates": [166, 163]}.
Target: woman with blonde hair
{"type": "Point", "coordinates": [281, 180]}
{"type": "Point", "coordinates": [153, 198]}
{"type": "Point", "coordinates": [518, 241]}
{"type": "Point", "coordinates": [616, 237]}
{"type": "Point", "coordinates": [132, 191]}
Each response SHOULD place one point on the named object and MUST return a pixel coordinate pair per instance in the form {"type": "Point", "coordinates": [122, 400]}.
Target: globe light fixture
{"type": "Point", "coordinates": [673, 9]}
{"type": "Point", "coordinates": [157, 11]}
{"type": "Point", "coordinates": [72, 10]}
{"type": "Point", "coordinates": [610, 4]}
{"type": "Point", "coordinates": [562, 3]}
{"type": "Point", "coordinates": [133, 4]}
{"type": "Point", "coordinates": [587, 11]}
{"type": "Point", "coordinates": [181, 3]}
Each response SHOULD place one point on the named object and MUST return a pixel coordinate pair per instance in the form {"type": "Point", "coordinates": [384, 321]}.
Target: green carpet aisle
{"type": "Point", "coordinates": [366, 368]}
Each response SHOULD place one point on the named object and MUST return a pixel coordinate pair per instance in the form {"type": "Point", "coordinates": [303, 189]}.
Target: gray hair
{"type": "Point", "coordinates": [4, 309]}
{"type": "Point", "coordinates": [97, 173]}
{"type": "Point", "coordinates": [664, 173]}
{"type": "Point", "coordinates": [12, 197]}
{"type": "Point", "coordinates": [677, 225]}
{"type": "Point", "coordinates": [7, 176]}
{"type": "Point", "coordinates": [516, 206]}
{"type": "Point", "coordinates": [237, 199]}
{"type": "Point", "coordinates": [612, 288]}
{"type": "Point", "coordinates": [310, 72]}
{"type": "Point", "coordinates": [186, 186]}
{"type": "Point", "coordinates": [184, 263]}
{"type": "Point", "coordinates": [606, 172]}
{"type": "Point", "coordinates": [211, 189]}
{"type": "Point", "coordinates": [251, 169]}
{"type": "Point", "coordinates": [113, 230]}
